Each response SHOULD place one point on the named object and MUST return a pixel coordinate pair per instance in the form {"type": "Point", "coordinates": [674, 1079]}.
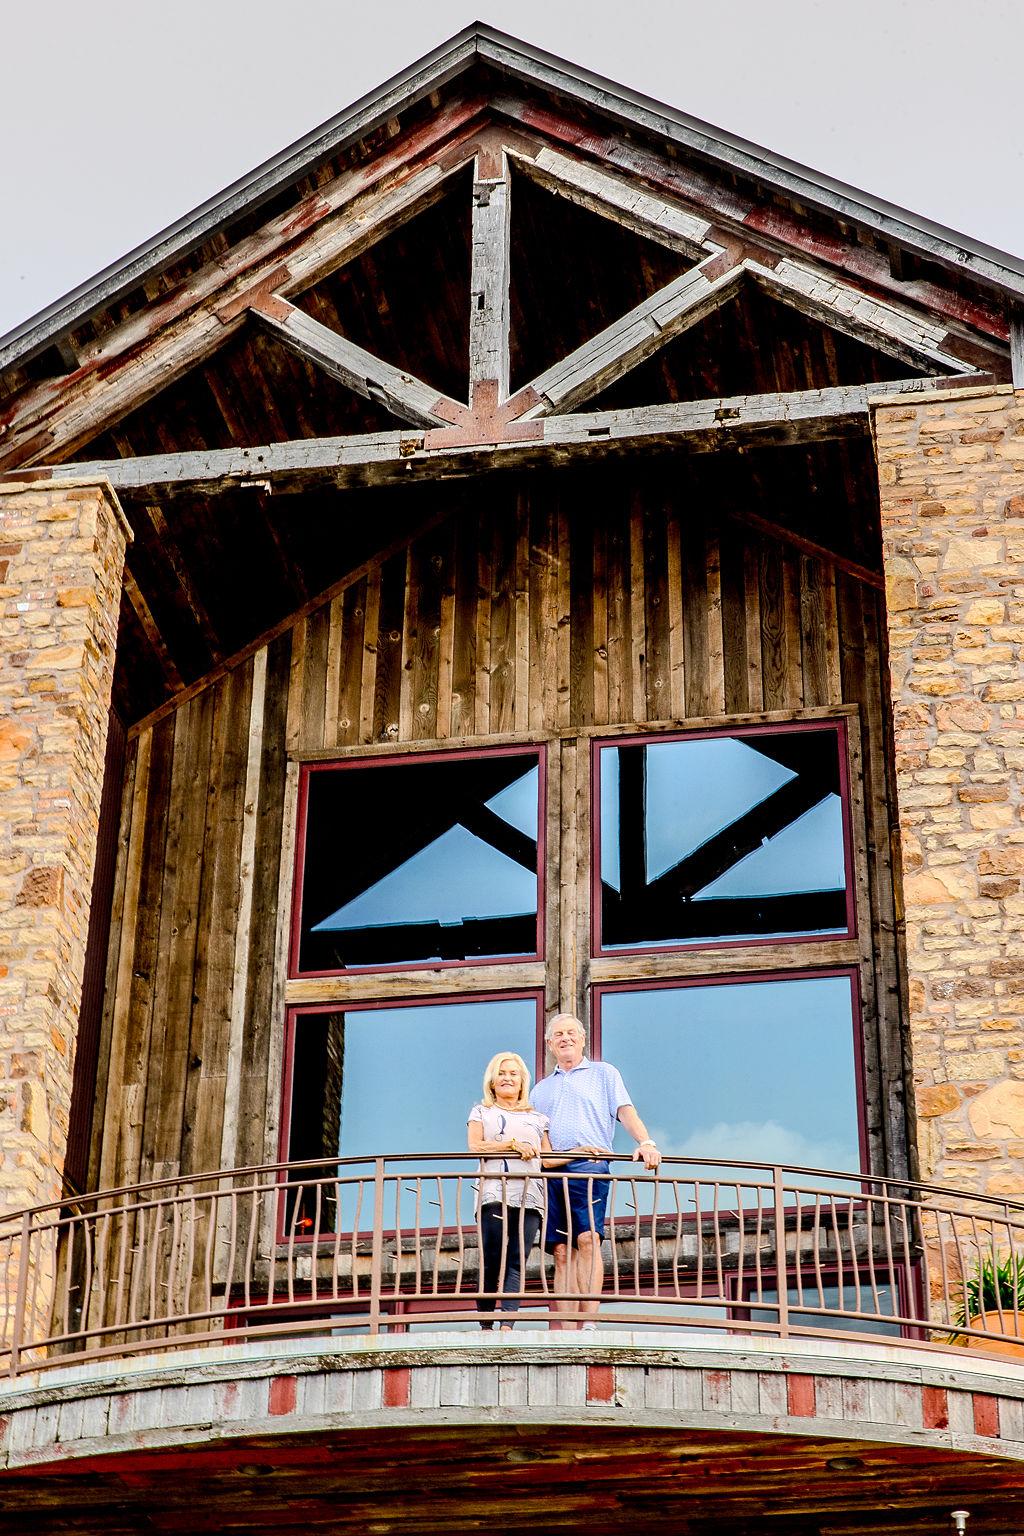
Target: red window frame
{"type": "Point", "coordinates": [600, 744]}
{"type": "Point", "coordinates": [398, 761]}
{"type": "Point", "coordinates": [296, 1011]}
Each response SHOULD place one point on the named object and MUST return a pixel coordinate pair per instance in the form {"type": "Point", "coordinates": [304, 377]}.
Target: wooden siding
{"type": "Point", "coordinates": [548, 608]}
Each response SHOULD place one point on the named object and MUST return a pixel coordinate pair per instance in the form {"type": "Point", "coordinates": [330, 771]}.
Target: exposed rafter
{"type": "Point", "coordinates": [631, 340]}
{"type": "Point", "coordinates": [612, 197]}
{"type": "Point", "coordinates": [402, 394]}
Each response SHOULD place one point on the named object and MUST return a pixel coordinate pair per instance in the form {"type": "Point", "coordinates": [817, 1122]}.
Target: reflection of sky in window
{"type": "Point", "coordinates": [517, 803]}
{"type": "Point", "coordinates": [805, 856]}
{"type": "Point", "coordinates": [694, 789]}
{"type": "Point", "coordinates": [456, 876]}
{"type": "Point", "coordinates": [747, 1070]}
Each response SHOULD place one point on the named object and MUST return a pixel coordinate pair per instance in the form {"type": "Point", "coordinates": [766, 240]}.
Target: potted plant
{"type": "Point", "coordinates": [993, 1299]}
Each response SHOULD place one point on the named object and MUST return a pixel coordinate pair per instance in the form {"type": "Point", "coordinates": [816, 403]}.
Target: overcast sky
{"type": "Point", "coordinates": [119, 116]}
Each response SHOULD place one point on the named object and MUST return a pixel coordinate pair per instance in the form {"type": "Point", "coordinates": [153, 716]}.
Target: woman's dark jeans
{"type": "Point", "coordinates": [508, 1234]}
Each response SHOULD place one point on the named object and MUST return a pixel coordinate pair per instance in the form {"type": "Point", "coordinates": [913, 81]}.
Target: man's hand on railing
{"type": "Point", "coordinates": [648, 1154]}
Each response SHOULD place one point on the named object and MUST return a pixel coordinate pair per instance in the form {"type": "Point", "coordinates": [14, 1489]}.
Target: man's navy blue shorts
{"type": "Point", "coordinates": [588, 1201]}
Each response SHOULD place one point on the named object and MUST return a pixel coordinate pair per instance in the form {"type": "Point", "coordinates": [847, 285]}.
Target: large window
{"type": "Point", "coordinates": [697, 906]}
{"type": "Point", "coordinates": [763, 1069]}
{"type": "Point", "coordinates": [722, 838]}
{"type": "Point", "coordinates": [406, 861]}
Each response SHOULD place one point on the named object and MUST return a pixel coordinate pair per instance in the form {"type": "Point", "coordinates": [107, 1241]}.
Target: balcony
{"type": "Point", "coordinates": [390, 1246]}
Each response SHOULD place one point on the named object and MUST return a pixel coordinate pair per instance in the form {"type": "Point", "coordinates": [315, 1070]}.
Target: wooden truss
{"type": "Point", "coordinates": [259, 279]}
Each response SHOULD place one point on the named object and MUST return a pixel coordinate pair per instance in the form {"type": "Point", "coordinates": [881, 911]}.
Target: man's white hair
{"type": "Point", "coordinates": [559, 1019]}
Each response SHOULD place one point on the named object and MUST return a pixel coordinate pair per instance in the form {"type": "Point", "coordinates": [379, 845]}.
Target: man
{"type": "Point", "coordinates": [583, 1099]}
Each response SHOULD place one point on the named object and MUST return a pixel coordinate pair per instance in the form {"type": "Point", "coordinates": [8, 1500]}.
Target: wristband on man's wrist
{"type": "Point", "coordinates": [647, 1143]}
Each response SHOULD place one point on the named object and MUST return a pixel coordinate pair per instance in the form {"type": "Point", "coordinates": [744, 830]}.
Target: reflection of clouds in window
{"type": "Point", "coordinates": [766, 1140]}
{"type": "Point", "coordinates": [457, 876]}
{"type": "Point", "coordinates": [741, 1070]}
{"type": "Point", "coordinates": [807, 855]}
{"type": "Point", "coordinates": [517, 803]}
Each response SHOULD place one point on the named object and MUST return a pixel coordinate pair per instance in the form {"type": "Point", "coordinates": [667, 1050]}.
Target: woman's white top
{"type": "Point", "coordinates": [527, 1127]}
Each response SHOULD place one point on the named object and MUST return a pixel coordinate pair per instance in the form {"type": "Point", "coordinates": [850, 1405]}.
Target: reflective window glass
{"type": "Point", "coordinates": [719, 838]}
{"type": "Point", "coordinates": [763, 1071]}
{"type": "Point", "coordinates": [373, 1081]}
{"type": "Point", "coordinates": [431, 860]}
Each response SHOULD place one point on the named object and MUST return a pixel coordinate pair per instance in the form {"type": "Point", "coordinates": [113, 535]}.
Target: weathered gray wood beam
{"type": "Point", "coordinates": [489, 282]}
{"type": "Point", "coordinates": [804, 416]}
{"type": "Point", "coordinates": [890, 328]}
{"type": "Point", "coordinates": [1017, 348]}
{"type": "Point", "coordinates": [612, 197]}
{"type": "Point", "coordinates": [404, 395]}
{"type": "Point", "coordinates": [631, 340]}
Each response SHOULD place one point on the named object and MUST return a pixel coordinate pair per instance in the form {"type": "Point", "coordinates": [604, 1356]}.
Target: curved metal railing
{"type": "Point", "coordinates": [392, 1243]}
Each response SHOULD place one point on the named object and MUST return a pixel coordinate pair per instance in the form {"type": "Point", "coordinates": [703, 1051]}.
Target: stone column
{"type": "Point", "coordinates": [62, 547]}
{"type": "Point", "coordinates": [951, 471]}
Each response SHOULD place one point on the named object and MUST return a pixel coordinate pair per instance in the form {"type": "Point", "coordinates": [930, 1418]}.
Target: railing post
{"type": "Point", "coordinates": [377, 1248]}
{"type": "Point", "coordinates": [21, 1294]}
{"type": "Point", "coordinates": [781, 1263]}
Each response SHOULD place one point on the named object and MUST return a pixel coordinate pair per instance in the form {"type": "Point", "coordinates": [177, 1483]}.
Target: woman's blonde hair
{"type": "Point", "coordinates": [523, 1101]}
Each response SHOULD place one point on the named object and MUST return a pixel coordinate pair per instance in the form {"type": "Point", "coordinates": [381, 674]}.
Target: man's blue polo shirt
{"type": "Point", "coordinates": [582, 1104]}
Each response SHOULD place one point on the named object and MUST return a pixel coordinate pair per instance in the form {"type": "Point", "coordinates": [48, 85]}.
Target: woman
{"type": "Point", "coordinates": [507, 1135]}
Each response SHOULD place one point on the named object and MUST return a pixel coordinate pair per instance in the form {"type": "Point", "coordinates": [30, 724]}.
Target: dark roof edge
{"type": "Point", "coordinates": [534, 66]}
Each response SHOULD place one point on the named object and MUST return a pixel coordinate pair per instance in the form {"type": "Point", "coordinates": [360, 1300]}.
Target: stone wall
{"type": "Point", "coordinates": [61, 557]}
{"type": "Point", "coordinates": [951, 470]}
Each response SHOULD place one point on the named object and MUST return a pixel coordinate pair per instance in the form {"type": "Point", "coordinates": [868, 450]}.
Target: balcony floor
{"type": "Point", "coordinates": [546, 1432]}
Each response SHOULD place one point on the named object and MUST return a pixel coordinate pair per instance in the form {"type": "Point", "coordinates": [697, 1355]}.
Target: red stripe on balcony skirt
{"type": "Point", "coordinates": [934, 1408]}
{"type": "Point", "coordinates": [986, 1415]}
{"type": "Point", "coordinates": [282, 1394]}
{"type": "Point", "coordinates": [800, 1396]}
{"type": "Point", "coordinates": [396, 1387]}
{"type": "Point", "coordinates": [600, 1383]}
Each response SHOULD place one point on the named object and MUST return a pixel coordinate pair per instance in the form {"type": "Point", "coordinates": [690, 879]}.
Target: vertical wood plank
{"type": "Point", "coordinates": [563, 619]}
{"type": "Point", "coordinates": [314, 680]}
{"type": "Point", "coordinates": [260, 1022]}
{"type": "Point", "coordinates": [209, 1039]}
{"type": "Point", "coordinates": [716, 644]}
{"type": "Point", "coordinates": [637, 613]}
{"type": "Point", "coordinates": [243, 918]}
{"type": "Point", "coordinates": [597, 694]}
{"type": "Point", "coordinates": [350, 664]}
{"type": "Point", "coordinates": [656, 609]}
{"type": "Point", "coordinates": [752, 588]}
{"type": "Point", "coordinates": [520, 636]}
{"type": "Point", "coordinates": [482, 669]}
{"type": "Point", "coordinates": [734, 622]}
{"type": "Point", "coordinates": [502, 618]}
{"type": "Point", "coordinates": [371, 644]}
{"type": "Point", "coordinates": [465, 618]}
{"type": "Point", "coordinates": [773, 621]}
{"type": "Point", "coordinates": [620, 689]}
{"type": "Point", "coordinates": [388, 683]}
{"type": "Point", "coordinates": [676, 637]}
{"type": "Point", "coordinates": [695, 629]}
{"type": "Point", "coordinates": [335, 642]}
{"type": "Point", "coordinates": [447, 576]}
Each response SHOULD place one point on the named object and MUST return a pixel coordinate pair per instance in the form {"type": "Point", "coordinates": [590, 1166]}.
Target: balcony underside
{"type": "Point", "coordinates": [541, 1434]}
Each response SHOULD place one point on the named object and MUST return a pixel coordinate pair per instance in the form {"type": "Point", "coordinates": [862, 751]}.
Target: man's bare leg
{"type": "Point", "coordinates": [564, 1285]}
{"type": "Point", "coordinates": [588, 1274]}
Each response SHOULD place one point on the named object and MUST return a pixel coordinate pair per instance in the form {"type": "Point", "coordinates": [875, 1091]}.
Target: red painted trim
{"type": "Point", "coordinates": [934, 1408]}
{"type": "Point", "coordinates": [395, 1391]}
{"type": "Point", "coordinates": [801, 1402]}
{"type": "Point", "coordinates": [600, 1384]}
{"type": "Point", "coordinates": [528, 749]}
{"type": "Point", "coordinates": [600, 744]}
{"type": "Point", "coordinates": [282, 1395]}
{"type": "Point", "coordinates": [986, 1415]}
{"type": "Point", "coordinates": [737, 978]}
